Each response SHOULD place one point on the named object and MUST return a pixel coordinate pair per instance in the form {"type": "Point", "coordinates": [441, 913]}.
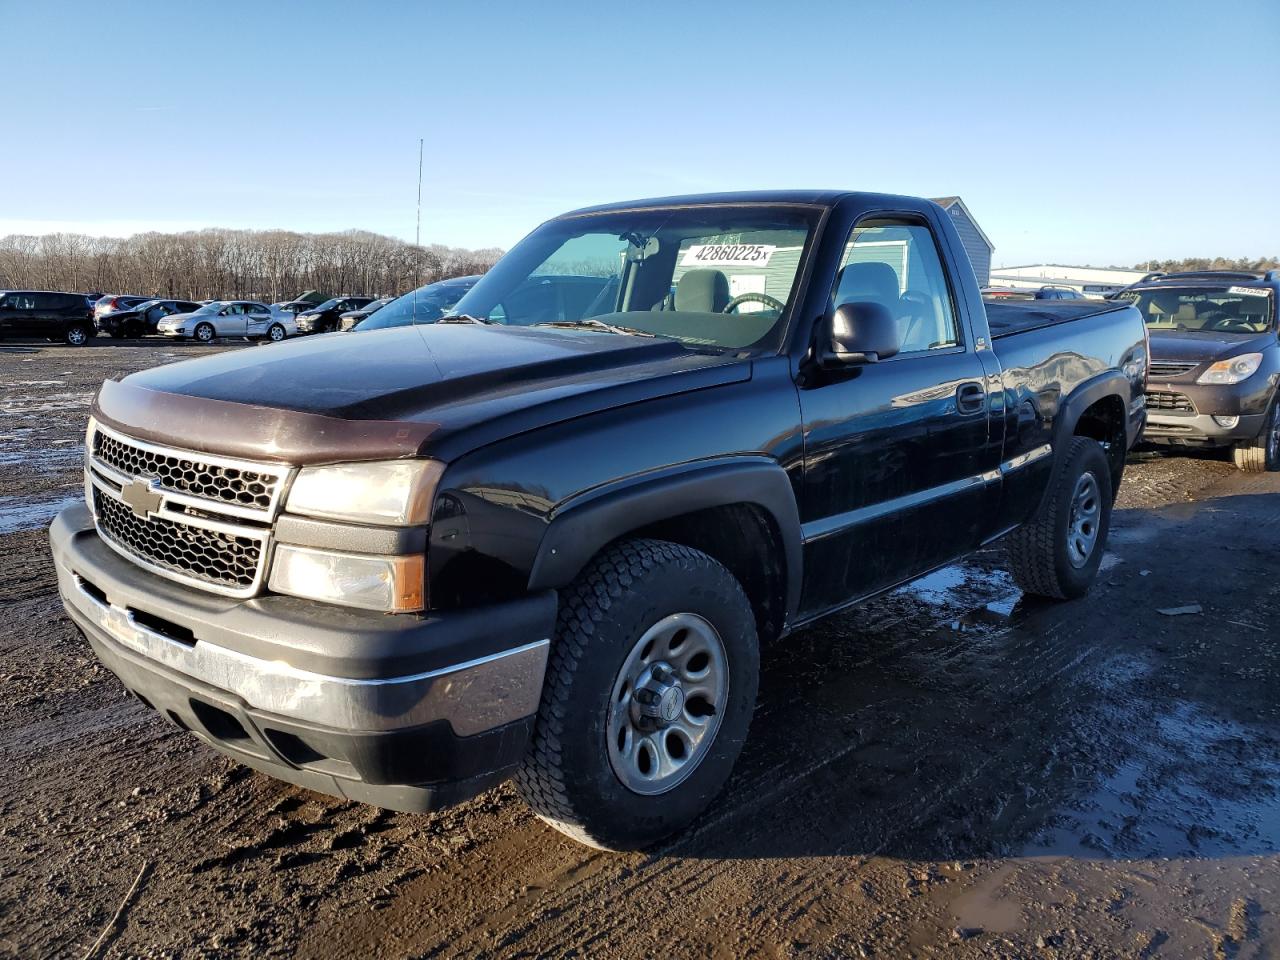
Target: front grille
{"type": "Point", "coordinates": [203, 520]}
{"type": "Point", "coordinates": [188, 474]}
{"type": "Point", "coordinates": [1164, 369]}
{"type": "Point", "coordinates": [197, 553]}
{"type": "Point", "coordinates": [1160, 400]}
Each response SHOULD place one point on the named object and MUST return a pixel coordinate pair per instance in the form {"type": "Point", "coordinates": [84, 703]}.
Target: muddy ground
{"type": "Point", "coordinates": [949, 771]}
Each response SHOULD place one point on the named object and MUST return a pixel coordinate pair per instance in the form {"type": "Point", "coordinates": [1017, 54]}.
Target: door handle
{"type": "Point", "coordinates": [971, 398]}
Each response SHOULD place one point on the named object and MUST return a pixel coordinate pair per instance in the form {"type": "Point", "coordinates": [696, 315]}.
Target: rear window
{"type": "Point", "coordinates": [1217, 309]}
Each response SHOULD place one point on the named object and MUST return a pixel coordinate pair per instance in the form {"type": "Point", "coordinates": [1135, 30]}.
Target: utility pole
{"type": "Point", "coordinates": [417, 229]}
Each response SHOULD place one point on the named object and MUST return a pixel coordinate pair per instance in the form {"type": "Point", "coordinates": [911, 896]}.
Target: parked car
{"type": "Point", "coordinates": [427, 304]}
{"type": "Point", "coordinates": [1215, 362]}
{"type": "Point", "coordinates": [400, 568]}
{"type": "Point", "coordinates": [293, 306]}
{"type": "Point", "coordinates": [1042, 293]}
{"type": "Point", "coordinates": [111, 303]}
{"type": "Point", "coordinates": [349, 319]}
{"type": "Point", "coordinates": [229, 318]}
{"type": "Point", "coordinates": [142, 318]}
{"type": "Point", "coordinates": [324, 318]}
{"type": "Point", "coordinates": [45, 313]}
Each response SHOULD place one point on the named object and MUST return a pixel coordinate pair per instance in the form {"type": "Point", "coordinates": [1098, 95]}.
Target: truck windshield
{"type": "Point", "coordinates": [719, 276]}
{"type": "Point", "coordinates": [1239, 310]}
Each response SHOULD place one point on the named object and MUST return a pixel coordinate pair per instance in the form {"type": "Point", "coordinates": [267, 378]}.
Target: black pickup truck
{"type": "Point", "coordinates": [547, 543]}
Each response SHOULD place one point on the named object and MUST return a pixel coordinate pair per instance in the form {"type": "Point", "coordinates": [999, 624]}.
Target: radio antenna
{"type": "Point", "coordinates": [417, 239]}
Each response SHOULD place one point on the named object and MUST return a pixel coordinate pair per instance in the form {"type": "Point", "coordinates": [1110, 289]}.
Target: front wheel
{"type": "Point", "coordinates": [649, 693]}
{"type": "Point", "coordinates": [1262, 454]}
{"type": "Point", "coordinates": [1056, 554]}
{"type": "Point", "coordinates": [204, 332]}
{"type": "Point", "coordinates": [275, 333]}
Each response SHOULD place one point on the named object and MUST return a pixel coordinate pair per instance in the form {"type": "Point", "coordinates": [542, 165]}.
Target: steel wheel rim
{"type": "Point", "coordinates": [666, 704]}
{"type": "Point", "coordinates": [1082, 527]}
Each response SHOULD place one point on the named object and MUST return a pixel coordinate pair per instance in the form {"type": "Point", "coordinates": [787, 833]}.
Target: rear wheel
{"type": "Point", "coordinates": [1056, 554]}
{"type": "Point", "coordinates": [77, 335]}
{"type": "Point", "coordinates": [648, 696]}
{"type": "Point", "coordinates": [204, 332]}
{"type": "Point", "coordinates": [1263, 452]}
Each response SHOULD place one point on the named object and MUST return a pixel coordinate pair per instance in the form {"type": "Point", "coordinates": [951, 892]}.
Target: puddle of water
{"type": "Point", "coordinates": [961, 586]}
{"type": "Point", "coordinates": [986, 907]}
{"type": "Point", "coordinates": [47, 458]}
{"type": "Point", "coordinates": [19, 513]}
{"type": "Point", "coordinates": [57, 401]}
{"type": "Point", "coordinates": [1195, 789]}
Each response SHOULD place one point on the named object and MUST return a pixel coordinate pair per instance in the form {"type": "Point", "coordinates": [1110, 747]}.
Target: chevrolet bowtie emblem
{"type": "Point", "coordinates": [142, 497]}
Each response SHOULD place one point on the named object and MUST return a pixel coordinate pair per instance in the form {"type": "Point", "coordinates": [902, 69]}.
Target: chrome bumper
{"type": "Point", "coordinates": [114, 600]}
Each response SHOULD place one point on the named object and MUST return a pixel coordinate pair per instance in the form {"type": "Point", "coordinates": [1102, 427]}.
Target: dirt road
{"type": "Point", "coordinates": [948, 771]}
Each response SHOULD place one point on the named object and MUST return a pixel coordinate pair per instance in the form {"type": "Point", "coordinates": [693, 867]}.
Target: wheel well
{"type": "Point", "coordinates": [745, 539]}
{"type": "Point", "coordinates": [1104, 421]}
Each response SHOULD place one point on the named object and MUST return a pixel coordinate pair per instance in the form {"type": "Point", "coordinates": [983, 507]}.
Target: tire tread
{"type": "Point", "coordinates": [614, 572]}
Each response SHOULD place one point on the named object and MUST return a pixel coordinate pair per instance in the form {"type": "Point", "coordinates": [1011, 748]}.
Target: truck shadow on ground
{"type": "Point", "coordinates": [974, 727]}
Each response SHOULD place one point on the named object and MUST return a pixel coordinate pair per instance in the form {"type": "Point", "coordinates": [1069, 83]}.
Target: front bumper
{"type": "Point", "coordinates": [1191, 422]}
{"type": "Point", "coordinates": [403, 712]}
{"type": "Point", "coordinates": [1198, 429]}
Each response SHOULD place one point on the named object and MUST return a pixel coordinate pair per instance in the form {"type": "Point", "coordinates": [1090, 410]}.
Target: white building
{"type": "Point", "coordinates": [1090, 281]}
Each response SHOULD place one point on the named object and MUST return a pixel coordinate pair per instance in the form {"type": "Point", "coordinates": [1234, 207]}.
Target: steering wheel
{"type": "Point", "coordinates": [764, 298]}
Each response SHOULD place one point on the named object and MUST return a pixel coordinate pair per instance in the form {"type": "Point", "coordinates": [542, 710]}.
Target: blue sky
{"type": "Point", "coordinates": [1083, 132]}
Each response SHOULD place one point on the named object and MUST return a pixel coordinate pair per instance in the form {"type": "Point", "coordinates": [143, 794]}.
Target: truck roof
{"type": "Point", "coordinates": [812, 197]}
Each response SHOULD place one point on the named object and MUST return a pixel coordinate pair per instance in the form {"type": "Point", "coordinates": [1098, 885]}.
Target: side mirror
{"type": "Point", "coordinates": [859, 332]}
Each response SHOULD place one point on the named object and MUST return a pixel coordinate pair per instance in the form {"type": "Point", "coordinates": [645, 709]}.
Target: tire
{"type": "Point", "coordinates": [77, 335]}
{"type": "Point", "coordinates": [1262, 454]}
{"type": "Point", "coordinates": [204, 332]}
{"type": "Point", "coordinates": [1046, 555]}
{"type": "Point", "coordinates": [276, 333]}
{"type": "Point", "coordinates": [572, 777]}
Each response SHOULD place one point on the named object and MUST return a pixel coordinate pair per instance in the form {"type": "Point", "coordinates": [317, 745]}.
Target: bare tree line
{"type": "Point", "coordinates": [1245, 264]}
{"type": "Point", "coordinates": [268, 265]}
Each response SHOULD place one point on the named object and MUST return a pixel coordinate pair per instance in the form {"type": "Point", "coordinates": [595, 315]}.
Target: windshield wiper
{"type": "Point", "coordinates": [465, 318]}
{"type": "Point", "coordinates": [591, 323]}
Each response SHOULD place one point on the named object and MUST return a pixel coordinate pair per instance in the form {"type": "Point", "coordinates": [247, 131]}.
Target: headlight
{"type": "Point", "coordinates": [390, 584]}
{"type": "Point", "coordinates": [396, 492]}
{"type": "Point", "coordinates": [1233, 370]}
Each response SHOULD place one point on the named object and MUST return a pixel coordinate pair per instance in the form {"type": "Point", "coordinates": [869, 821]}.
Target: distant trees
{"type": "Point", "coordinates": [1210, 263]}
{"type": "Point", "coordinates": [267, 265]}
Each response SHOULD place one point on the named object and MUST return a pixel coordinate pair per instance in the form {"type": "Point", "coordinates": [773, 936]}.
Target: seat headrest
{"type": "Point", "coordinates": [702, 291]}
{"type": "Point", "coordinates": [875, 281]}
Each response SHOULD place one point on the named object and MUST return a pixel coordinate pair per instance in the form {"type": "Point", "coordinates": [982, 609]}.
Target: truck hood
{"type": "Point", "coordinates": [435, 390]}
{"type": "Point", "coordinates": [1204, 347]}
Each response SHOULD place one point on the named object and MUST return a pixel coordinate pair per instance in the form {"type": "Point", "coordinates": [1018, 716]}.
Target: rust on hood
{"type": "Point", "coordinates": [253, 432]}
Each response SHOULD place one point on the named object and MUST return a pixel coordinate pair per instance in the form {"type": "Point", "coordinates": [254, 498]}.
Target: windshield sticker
{"type": "Point", "coordinates": [728, 255]}
{"type": "Point", "coordinates": [1246, 292]}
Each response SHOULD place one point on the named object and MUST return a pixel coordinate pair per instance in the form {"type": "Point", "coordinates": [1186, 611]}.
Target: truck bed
{"type": "Point", "coordinates": [1006, 318]}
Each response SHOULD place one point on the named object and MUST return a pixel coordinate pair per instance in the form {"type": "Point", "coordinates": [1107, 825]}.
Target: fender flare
{"type": "Point", "coordinates": [583, 525]}
{"type": "Point", "coordinates": [1110, 383]}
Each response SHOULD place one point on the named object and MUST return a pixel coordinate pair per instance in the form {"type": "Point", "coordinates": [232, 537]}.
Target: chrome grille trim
{"type": "Point", "coordinates": [1163, 369]}
{"type": "Point", "coordinates": [195, 513]}
{"type": "Point", "coordinates": [278, 473]}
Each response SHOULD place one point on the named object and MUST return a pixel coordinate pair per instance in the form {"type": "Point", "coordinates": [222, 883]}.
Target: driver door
{"type": "Point", "coordinates": [900, 455]}
{"type": "Point", "coordinates": [232, 321]}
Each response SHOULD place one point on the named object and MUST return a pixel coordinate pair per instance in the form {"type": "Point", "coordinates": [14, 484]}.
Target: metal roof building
{"type": "Point", "coordinates": [1090, 281]}
{"type": "Point", "coordinates": [976, 243]}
